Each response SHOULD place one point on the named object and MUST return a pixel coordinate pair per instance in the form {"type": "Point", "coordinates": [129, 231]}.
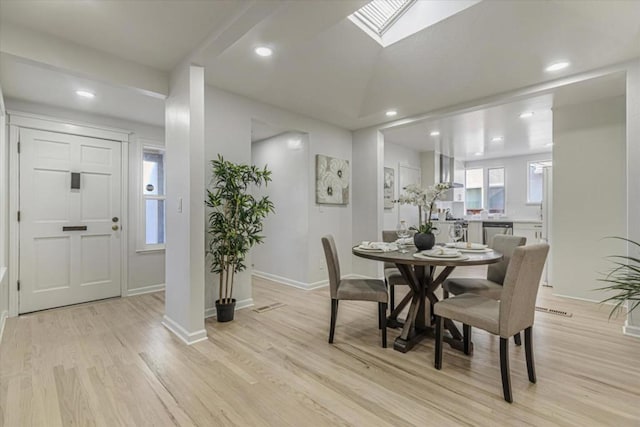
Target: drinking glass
{"type": "Point", "coordinates": [403, 232]}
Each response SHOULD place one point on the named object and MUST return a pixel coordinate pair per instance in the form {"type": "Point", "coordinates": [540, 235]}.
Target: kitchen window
{"type": "Point", "coordinates": [153, 199]}
{"type": "Point", "coordinates": [474, 186]}
{"type": "Point", "coordinates": [496, 191]}
{"type": "Point", "coordinates": [535, 180]}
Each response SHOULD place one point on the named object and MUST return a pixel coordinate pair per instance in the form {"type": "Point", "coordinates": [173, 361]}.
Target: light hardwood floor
{"type": "Point", "coordinates": [112, 363]}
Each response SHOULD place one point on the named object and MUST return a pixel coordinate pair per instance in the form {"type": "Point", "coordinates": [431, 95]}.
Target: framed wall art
{"type": "Point", "coordinates": [332, 180]}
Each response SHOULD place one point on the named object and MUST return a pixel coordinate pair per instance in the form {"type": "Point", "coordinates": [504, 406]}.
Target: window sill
{"type": "Point", "coordinates": [147, 251]}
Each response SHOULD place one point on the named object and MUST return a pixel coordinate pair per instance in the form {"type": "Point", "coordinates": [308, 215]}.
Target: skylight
{"type": "Point", "coordinates": [389, 21]}
{"type": "Point", "coordinates": [379, 15]}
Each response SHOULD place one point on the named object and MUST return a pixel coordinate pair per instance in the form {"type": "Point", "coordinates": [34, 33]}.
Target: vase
{"type": "Point", "coordinates": [225, 311]}
{"type": "Point", "coordinates": [424, 241]}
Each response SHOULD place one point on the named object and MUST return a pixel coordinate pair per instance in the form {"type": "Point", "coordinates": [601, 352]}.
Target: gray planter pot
{"type": "Point", "coordinates": [424, 241]}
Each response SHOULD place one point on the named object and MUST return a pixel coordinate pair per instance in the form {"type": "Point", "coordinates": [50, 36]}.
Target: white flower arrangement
{"type": "Point", "coordinates": [423, 198]}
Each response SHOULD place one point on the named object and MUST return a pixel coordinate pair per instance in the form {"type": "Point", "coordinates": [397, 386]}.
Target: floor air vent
{"type": "Point", "coordinates": [552, 311]}
{"type": "Point", "coordinates": [269, 307]}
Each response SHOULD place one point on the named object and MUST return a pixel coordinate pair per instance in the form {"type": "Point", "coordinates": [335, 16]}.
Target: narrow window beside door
{"type": "Point", "coordinates": [153, 198]}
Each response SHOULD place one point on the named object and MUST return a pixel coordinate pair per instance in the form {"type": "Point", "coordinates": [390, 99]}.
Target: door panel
{"type": "Point", "coordinates": [59, 267]}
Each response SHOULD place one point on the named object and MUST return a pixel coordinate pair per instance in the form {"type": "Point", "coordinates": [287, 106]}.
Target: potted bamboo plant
{"type": "Point", "coordinates": [624, 279]}
{"type": "Point", "coordinates": [234, 225]}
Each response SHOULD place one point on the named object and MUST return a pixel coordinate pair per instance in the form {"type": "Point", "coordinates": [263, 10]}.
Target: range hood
{"type": "Point", "coordinates": [446, 172]}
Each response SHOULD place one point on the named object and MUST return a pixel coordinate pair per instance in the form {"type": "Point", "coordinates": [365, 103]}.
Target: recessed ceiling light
{"type": "Point", "coordinates": [526, 114]}
{"type": "Point", "coordinates": [479, 153]}
{"type": "Point", "coordinates": [435, 133]}
{"type": "Point", "coordinates": [391, 113]}
{"type": "Point", "coordinates": [557, 66]}
{"type": "Point", "coordinates": [496, 139]}
{"type": "Point", "coordinates": [263, 51]}
{"type": "Point", "coordinates": [85, 94]}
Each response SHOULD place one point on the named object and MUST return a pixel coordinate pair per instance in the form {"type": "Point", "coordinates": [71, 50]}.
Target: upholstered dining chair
{"type": "Point", "coordinates": [491, 286]}
{"type": "Point", "coordinates": [392, 276]}
{"type": "Point", "coordinates": [353, 289]}
{"type": "Point", "coordinates": [514, 312]}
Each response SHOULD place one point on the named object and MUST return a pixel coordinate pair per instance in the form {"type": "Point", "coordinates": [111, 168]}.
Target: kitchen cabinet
{"type": "Point", "coordinates": [474, 231]}
{"type": "Point", "coordinates": [531, 230]}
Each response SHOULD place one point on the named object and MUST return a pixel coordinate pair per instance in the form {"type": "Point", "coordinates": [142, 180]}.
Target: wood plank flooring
{"type": "Point", "coordinates": [112, 363]}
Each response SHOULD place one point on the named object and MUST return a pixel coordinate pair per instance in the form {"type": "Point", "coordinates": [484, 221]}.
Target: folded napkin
{"type": "Point", "coordinates": [405, 241]}
{"type": "Point", "coordinates": [381, 246]}
{"type": "Point", "coordinates": [441, 250]}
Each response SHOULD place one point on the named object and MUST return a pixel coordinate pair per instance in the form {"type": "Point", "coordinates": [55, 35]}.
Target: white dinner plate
{"type": "Point", "coordinates": [467, 246]}
{"type": "Point", "coordinates": [476, 251]}
{"type": "Point", "coordinates": [440, 255]}
{"type": "Point", "coordinates": [456, 258]}
{"type": "Point", "coordinates": [360, 248]}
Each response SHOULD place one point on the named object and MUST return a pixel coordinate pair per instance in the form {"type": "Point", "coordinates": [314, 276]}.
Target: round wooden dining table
{"type": "Point", "coordinates": [419, 273]}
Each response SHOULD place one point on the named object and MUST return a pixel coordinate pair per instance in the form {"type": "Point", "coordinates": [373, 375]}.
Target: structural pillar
{"type": "Point", "coordinates": [185, 212]}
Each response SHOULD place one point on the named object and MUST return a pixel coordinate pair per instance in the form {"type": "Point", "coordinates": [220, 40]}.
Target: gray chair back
{"type": "Point", "coordinates": [389, 236]}
{"type": "Point", "coordinates": [521, 284]}
{"type": "Point", "coordinates": [505, 244]}
{"type": "Point", "coordinates": [333, 264]}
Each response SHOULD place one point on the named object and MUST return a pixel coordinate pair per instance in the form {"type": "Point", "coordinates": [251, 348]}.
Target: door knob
{"type": "Point", "coordinates": [114, 227]}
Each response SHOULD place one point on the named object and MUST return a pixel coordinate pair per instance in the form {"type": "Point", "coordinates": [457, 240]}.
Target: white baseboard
{"type": "Point", "coordinates": [583, 299]}
{"type": "Point", "coordinates": [187, 337]}
{"type": "Point", "coordinates": [631, 330]}
{"type": "Point", "coordinates": [211, 311]}
{"type": "Point", "coordinates": [290, 282]}
{"type": "Point", "coordinates": [145, 290]}
{"type": "Point", "coordinates": [3, 319]}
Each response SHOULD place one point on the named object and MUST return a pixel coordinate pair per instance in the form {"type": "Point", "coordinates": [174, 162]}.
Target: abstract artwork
{"type": "Point", "coordinates": [332, 180]}
{"type": "Point", "coordinates": [389, 187]}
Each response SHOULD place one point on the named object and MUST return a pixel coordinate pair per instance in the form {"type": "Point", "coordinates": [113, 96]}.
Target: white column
{"type": "Point", "coordinates": [632, 326]}
{"type": "Point", "coordinates": [368, 208]}
{"type": "Point", "coordinates": [185, 218]}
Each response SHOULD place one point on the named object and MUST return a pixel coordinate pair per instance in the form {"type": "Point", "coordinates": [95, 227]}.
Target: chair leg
{"type": "Point", "coordinates": [392, 299]}
{"type": "Point", "coordinates": [438, 356]}
{"type": "Point", "coordinates": [445, 294]}
{"type": "Point", "coordinates": [466, 332]}
{"type": "Point", "coordinates": [528, 351]}
{"type": "Point", "coordinates": [382, 319]}
{"type": "Point", "coordinates": [334, 315]}
{"type": "Point", "coordinates": [517, 339]}
{"type": "Point", "coordinates": [504, 369]}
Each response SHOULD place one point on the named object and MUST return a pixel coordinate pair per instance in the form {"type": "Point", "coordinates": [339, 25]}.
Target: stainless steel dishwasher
{"type": "Point", "coordinates": [491, 228]}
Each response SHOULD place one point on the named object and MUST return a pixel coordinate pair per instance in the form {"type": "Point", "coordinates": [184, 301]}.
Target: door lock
{"type": "Point", "coordinates": [115, 227]}
{"type": "Point", "coordinates": [115, 219]}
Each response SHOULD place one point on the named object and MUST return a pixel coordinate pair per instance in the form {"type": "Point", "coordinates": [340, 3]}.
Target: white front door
{"type": "Point", "coordinates": [69, 219]}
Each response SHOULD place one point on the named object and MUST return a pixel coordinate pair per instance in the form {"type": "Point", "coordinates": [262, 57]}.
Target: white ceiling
{"type": "Point", "coordinates": [154, 33]}
{"type": "Point", "coordinates": [325, 67]}
{"type": "Point", "coordinates": [30, 82]}
{"type": "Point", "coordinates": [464, 135]}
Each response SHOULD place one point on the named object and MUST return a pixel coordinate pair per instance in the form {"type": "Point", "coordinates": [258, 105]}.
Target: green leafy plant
{"type": "Point", "coordinates": [624, 278]}
{"type": "Point", "coordinates": [423, 198]}
{"type": "Point", "coordinates": [235, 221]}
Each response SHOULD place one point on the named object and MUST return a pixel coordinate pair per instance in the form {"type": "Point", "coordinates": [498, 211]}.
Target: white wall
{"type": "Point", "coordinates": [4, 225]}
{"type": "Point", "coordinates": [515, 170]}
{"type": "Point", "coordinates": [286, 231]}
{"type": "Point", "coordinates": [368, 153]}
{"type": "Point", "coordinates": [589, 195]}
{"type": "Point", "coordinates": [228, 132]}
{"type": "Point", "coordinates": [146, 269]}
{"type": "Point", "coordinates": [395, 155]}
{"type": "Point", "coordinates": [632, 325]}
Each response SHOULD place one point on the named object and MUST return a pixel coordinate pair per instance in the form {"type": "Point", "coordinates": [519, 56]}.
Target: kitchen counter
{"type": "Point", "coordinates": [537, 221]}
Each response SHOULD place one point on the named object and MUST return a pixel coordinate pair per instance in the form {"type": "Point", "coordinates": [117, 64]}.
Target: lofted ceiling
{"type": "Point", "coordinates": [325, 67]}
